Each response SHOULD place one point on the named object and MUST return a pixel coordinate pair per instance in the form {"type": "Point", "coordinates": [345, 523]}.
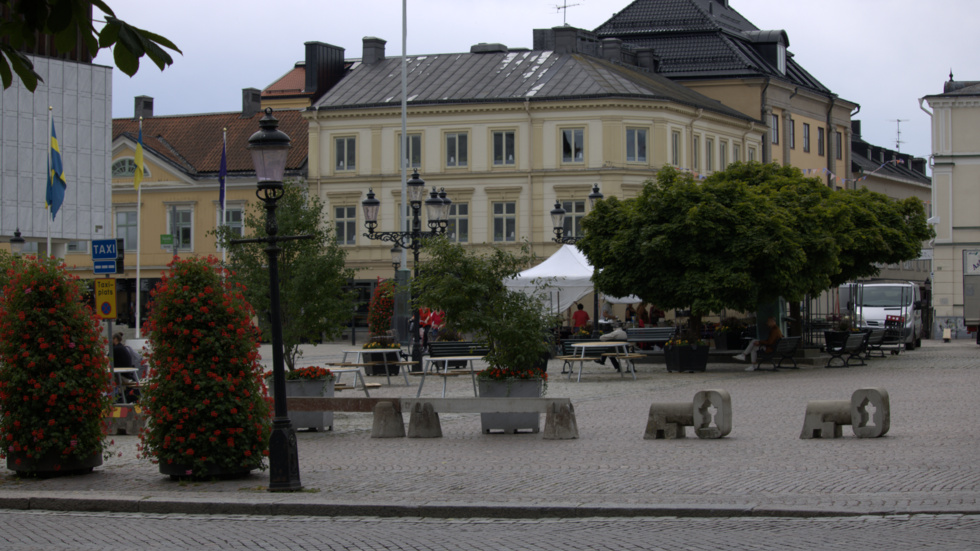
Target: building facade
{"type": "Point", "coordinates": [956, 205]}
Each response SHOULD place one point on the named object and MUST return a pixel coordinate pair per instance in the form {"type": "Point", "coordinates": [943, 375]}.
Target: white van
{"type": "Point", "coordinates": [890, 305]}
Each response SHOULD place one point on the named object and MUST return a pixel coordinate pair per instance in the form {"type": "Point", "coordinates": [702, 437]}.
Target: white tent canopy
{"type": "Point", "coordinates": [565, 277]}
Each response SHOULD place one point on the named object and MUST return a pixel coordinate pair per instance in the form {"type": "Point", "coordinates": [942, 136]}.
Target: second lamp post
{"type": "Point", "coordinates": [558, 221]}
{"type": "Point", "coordinates": [437, 212]}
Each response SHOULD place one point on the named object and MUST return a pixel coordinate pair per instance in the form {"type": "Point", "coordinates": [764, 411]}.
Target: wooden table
{"type": "Point", "coordinates": [622, 353]}
{"type": "Point", "coordinates": [358, 353]}
{"type": "Point", "coordinates": [430, 362]}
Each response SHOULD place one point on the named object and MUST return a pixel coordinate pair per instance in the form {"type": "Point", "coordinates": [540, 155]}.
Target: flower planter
{"type": "Point", "coordinates": [51, 464]}
{"type": "Point", "coordinates": [313, 420]}
{"type": "Point", "coordinates": [381, 356]}
{"type": "Point", "coordinates": [516, 388]}
{"type": "Point", "coordinates": [686, 358]}
{"type": "Point", "coordinates": [728, 340]}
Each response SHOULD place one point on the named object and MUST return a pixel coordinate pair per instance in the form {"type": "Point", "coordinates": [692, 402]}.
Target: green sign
{"type": "Point", "coordinates": [166, 241]}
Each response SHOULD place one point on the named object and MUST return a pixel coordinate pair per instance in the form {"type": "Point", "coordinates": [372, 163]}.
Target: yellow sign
{"type": "Point", "coordinates": [105, 298]}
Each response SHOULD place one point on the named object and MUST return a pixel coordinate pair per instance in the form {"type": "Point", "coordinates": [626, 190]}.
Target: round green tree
{"type": "Point", "coordinates": [204, 403]}
{"type": "Point", "coordinates": [54, 373]}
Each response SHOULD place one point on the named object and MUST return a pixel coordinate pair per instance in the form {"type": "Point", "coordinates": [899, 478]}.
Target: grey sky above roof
{"type": "Point", "coordinates": [504, 76]}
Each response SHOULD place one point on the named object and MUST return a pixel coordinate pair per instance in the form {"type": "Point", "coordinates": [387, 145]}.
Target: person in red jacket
{"type": "Point", "coordinates": [580, 318]}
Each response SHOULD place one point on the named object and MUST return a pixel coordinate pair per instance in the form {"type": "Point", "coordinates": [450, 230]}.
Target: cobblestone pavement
{"type": "Point", "coordinates": [56, 531]}
{"type": "Point", "coordinates": [927, 464]}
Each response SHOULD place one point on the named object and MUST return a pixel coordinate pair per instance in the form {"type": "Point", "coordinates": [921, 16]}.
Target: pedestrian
{"type": "Point", "coordinates": [767, 345]}
{"type": "Point", "coordinates": [580, 318]}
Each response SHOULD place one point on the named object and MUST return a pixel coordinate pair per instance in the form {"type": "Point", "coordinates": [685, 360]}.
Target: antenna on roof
{"type": "Point", "coordinates": [898, 134]}
{"type": "Point", "coordinates": [564, 9]}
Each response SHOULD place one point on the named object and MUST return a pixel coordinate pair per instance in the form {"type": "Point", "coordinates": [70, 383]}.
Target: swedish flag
{"type": "Point", "coordinates": [57, 184]}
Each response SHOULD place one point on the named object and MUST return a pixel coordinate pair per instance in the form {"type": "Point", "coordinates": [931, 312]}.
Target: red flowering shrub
{"type": "Point", "coordinates": [381, 307]}
{"type": "Point", "coordinates": [54, 371]}
{"type": "Point", "coordinates": [204, 401]}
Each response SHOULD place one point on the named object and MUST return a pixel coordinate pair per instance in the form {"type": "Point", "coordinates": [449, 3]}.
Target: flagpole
{"type": "Point", "coordinates": [139, 208]}
{"type": "Point", "coordinates": [49, 179]}
{"type": "Point", "coordinates": [221, 183]}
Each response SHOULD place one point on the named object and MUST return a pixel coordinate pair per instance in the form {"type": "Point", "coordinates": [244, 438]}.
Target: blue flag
{"type": "Point", "coordinates": [57, 184]}
{"type": "Point", "coordinates": [222, 173]}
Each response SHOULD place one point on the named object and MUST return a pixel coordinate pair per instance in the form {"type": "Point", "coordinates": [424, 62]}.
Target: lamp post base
{"type": "Point", "coordinates": [283, 457]}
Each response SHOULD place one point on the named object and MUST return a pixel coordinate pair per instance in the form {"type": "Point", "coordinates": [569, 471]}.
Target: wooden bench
{"type": "Point", "coordinates": [853, 348]}
{"type": "Point", "coordinates": [785, 349]}
{"type": "Point", "coordinates": [650, 335]}
{"type": "Point", "coordinates": [569, 356]}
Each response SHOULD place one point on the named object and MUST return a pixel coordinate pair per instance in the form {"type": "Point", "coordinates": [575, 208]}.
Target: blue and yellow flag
{"type": "Point", "coordinates": [138, 158]}
{"type": "Point", "coordinates": [57, 184]}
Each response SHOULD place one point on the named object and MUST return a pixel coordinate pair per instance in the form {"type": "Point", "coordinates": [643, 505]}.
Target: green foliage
{"type": "Point", "coordinates": [69, 21]}
{"type": "Point", "coordinates": [469, 287]}
{"type": "Point", "coordinates": [204, 402]}
{"type": "Point", "coordinates": [54, 372]}
{"type": "Point", "coordinates": [744, 236]}
{"type": "Point", "coordinates": [312, 272]}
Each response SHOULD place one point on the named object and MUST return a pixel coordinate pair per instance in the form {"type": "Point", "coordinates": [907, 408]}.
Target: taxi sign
{"type": "Point", "coordinates": [104, 249]}
{"type": "Point", "coordinates": [105, 298]}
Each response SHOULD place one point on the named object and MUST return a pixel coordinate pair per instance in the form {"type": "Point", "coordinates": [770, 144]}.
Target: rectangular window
{"type": "Point", "coordinates": [722, 154]}
{"type": "Point", "coordinates": [414, 151]}
{"type": "Point", "coordinates": [775, 128]}
{"type": "Point", "coordinates": [79, 246]}
{"type": "Point", "coordinates": [456, 149]}
{"type": "Point", "coordinates": [574, 212]}
{"type": "Point", "coordinates": [792, 134]}
{"type": "Point", "coordinates": [806, 137]}
{"type": "Point", "coordinates": [345, 222]}
{"type": "Point", "coordinates": [695, 154]}
{"type": "Point", "coordinates": [736, 153]}
{"type": "Point", "coordinates": [503, 148]}
{"type": "Point", "coordinates": [820, 141]}
{"type": "Point", "coordinates": [709, 158]}
{"type": "Point", "coordinates": [839, 145]}
{"type": "Point", "coordinates": [234, 220]}
{"type": "Point", "coordinates": [458, 229]}
{"type": "Point", "coordinates": [126, 228]}
{"type": "Point", "coordinates": [346, 154]}
{"type": "Point", "coordinates": [505, 221]}
{"type": "Point", "coordinates": [675, 148]}
{"type": "Point", "coordinates": [636, 145]}
{"type": "Point", "coordinates": [751, 154]}
{"type": "Point", "coordinates": [183, 230]}
{"type": "Point", "coordinates": [573, 145]}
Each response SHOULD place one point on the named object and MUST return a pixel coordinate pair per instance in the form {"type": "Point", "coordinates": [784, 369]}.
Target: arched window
{"type": "Point", "coordinates": [127, 167]}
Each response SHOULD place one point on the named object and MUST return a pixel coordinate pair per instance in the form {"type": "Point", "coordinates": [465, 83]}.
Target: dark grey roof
{"type": "Point", "coordinates": [701, 39]}
{"type": "Point", "coordinates": [862, 163]}
{"type": "Point", "coordinates": [961, 88]}
{"type": "Point", "coordinates": [503, 77]}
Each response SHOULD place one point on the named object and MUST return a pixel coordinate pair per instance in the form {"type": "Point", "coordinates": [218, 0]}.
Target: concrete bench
{"type": "Point", "coordinates": [853, 348]}
{"type": "Point", "coordinates": [710, 413]}
{"type": "Point", "coordinates": [868, 412]}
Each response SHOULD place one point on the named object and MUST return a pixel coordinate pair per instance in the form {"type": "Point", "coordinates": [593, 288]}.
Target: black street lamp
{"type": "Point", "coordinates": [269, 147]}
{"type": "Point", "coordinates": [17, 243]}
{"type": "Point", "coordinates": [558, 221]}
{"type": "Point", "coordinates": [437, 211]}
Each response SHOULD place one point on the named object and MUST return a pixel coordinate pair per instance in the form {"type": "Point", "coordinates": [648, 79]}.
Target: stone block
{"type": "Point", "coordinates": [712, 413]}
{"type": "Point", "coordinates": [870, 412]}
{"type": "Point", "coordinates": [388, 423]}
{"type": "Point", "coordinates": [667, 420]}
{"type": "Point", "coordinates": [559, 422]}
{"type": "Point", "coordinates": [424, 422]}
{"type": "Point", "coordinates": [824, 419]}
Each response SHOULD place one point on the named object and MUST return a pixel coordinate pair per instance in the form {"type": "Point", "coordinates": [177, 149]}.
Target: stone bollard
{"type": "Point", "coordinates": [388, 423]}
{"type": "Point", "coordinates": [424, 422]}
{"type": "Point", "coordinates": [868, 413]}
{"type": "Point", "coordinates": [712, 414]}
{"type": "Point", "coordinates": [667, 420]}
{"type": "Point", "coordinates": [559, 423]}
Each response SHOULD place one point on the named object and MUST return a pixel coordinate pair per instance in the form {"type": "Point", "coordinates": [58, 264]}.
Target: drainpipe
{"type": "Point", "coordinates": [690, 139]}
{"type": "Point", "coordinates": [745, 146]}
{"type": "Point", "coordinates": [765, 116]}
{"type": "Point", "coordinates": [932, 197]}
{"type": "Point", "coordinates": [787, 139]}
{"type": "Point", "coordinates": [830, 135]}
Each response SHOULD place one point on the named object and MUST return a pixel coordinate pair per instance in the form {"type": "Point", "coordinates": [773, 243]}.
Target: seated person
{"type": "Point", "coordinates": [616, 334]}
{"type": "Point", "coordinates": [124, 356]}
{"type": "Point", "coordinates": [767, 345]}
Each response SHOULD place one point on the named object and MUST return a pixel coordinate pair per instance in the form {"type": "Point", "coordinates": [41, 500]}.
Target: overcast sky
{"type": "Point", "coordinates": [881, 54]}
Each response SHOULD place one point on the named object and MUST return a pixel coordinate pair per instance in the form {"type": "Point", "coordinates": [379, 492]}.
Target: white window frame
{"type": "Point", "coordinates": [349, 220]}
{"type": "Point", "coordinates": [345, 150]}
{"type": "Point", "coordinates": [574, 213]}
{"type": "Point", "coordinates": [126, 167]}
{"type": "Point", "coordinates": [182, 208]}
{"type": "Point", "coordinates": [414, 143]}
{"type": "Point", "coordinates": [575, 138]}
{"type": "Point", "coordinates": [459, 212]}
{"type": "Point", "coordinates": [506, 215]}
{"type": "Point", "coordinates": [458, 143]}
{"type": "Point", "coordinates": [505, 159]}
{"type": "Point", "coordinates": [709, 154]}
{"type": "Point", "coordinates": [637, 145]}
{"type": "Point", "coordinates": [129, 246]}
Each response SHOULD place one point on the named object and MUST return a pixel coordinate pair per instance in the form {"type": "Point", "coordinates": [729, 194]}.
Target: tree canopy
{"type": "Point", "coordinates": [745, 236]}
{"type": "Point", "coordinates": [312, 272]}
{"type": "Point", "coordinates": [68, 22]}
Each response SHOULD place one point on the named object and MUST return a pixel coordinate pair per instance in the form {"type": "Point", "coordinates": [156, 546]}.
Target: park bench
{"type": "Point", "coordinates": [560, 423]}
{"type": "Point", "coordinates": [876, 339]}
{"type": "Point", "coordinates": [785, 349]}
{"type": "Point", "coordinates": [650, 335]}
{"type": "Point", "coordinates": [853, 348]}
{"type": "Point", "coordinates": [569, 356]}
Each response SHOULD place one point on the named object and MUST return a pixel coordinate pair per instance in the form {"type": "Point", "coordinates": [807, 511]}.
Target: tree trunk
{"type": "Point", "coordinates": [694, 327]}
{"type": "Point", "coordinates": [795, 328]}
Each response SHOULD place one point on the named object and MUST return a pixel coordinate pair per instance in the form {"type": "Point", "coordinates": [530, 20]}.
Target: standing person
{"type": "Point", "coordinates": [767, 344]}
{"type": "Point", "coordinates": [642, 316]}
{"type": "Point", "coordinates": [436, 320]}
{"type": "Point", "coordinates": [630, 313]}
{"type": "Point", "coordinates": [580, 318]}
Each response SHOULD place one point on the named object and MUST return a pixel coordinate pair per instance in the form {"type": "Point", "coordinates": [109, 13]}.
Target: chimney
{"type": "Point", "coordinates": [144, 107]}
{"type": "Point", "coordinates": [612, 49]}
{"type": "Point", "coordinates": [856, 128]}
{"type": "Point", "coordinates": [648, 60]}
{"type": "Point", "coordinates": [566, 40]}
{"type": "Point", "coordinates": [374, 50]}
{"type": "Point", "coordinates": [251, 102]}
{"type": "Point", "coordinates": [324, 67]}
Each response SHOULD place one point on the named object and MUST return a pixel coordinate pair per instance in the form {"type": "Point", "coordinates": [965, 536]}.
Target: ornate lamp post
{"type": "Point", "coordinates": [269, 147]}
{"type": "Point", "coordinates": [437, 210]}
{"type": "Point", "coordinates": [17, 243]}
{"type": "Point", "coordinates": [558, 221]}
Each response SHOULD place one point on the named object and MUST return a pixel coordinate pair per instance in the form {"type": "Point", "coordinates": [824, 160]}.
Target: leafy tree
{"type": "Point", "coordinates": [469, 287]}
{"type": "Point", "coordinates": [744, 236]}
{"type": "Point", "coordinates": [312, 272]}
{"type": "Point", "coordinates": [67, 21]}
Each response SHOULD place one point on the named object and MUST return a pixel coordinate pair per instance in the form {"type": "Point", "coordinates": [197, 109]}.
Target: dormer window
{"type": "Point", "coordinates": [771, 45]}
{"type": "Point", "coordinates": [781, 58]}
